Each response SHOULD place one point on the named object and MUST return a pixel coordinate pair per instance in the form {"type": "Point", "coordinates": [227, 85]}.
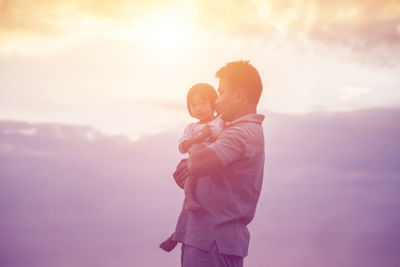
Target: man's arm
{"type": "Point", "coordinates": [181, 173]}
{"type": "Point", "coordinates": [203, 161]}
{"type": "Point", "coordinates": [228, 148]}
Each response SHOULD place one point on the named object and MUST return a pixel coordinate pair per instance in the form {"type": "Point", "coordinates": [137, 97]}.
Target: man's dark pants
{"type": "Point", "coordinates": [194, 257]}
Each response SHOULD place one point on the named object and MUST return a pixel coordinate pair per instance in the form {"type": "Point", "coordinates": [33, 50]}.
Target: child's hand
{"type": "Point", "coordinates": [206, 132]}
{"type": "Point", "coordinates": [196, 147]}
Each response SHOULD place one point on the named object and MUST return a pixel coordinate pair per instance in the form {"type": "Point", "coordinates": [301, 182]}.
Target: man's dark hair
{"type": "Point", "coordinates": [203, 90]}
{"type": "Point", "coordinates": [241, 74]}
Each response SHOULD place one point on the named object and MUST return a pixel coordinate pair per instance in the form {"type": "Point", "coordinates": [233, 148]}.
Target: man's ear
{"type": "Point", "coordinates": [240, 95]}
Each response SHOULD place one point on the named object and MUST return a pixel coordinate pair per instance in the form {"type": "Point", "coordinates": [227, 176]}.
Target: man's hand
{"type": "Point", "coordinates": [181, 173]}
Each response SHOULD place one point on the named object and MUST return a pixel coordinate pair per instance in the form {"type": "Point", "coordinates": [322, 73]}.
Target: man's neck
{"type": "Point", "coordinates": [244, 111]}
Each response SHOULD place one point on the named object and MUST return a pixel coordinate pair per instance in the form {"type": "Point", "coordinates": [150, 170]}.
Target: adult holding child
{"type": "Point", "coordinates": [230, 174]}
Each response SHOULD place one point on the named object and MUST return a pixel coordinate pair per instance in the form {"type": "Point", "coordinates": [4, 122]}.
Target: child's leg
{"type": "Point", "coordinates": [190, 186]}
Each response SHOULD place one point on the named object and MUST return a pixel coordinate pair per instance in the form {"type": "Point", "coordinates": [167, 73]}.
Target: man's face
{"type": "Point", "coordinates": [226, 101]}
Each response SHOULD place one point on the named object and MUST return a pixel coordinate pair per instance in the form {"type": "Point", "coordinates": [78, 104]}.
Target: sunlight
{"type": "Point", "coordinates": [167, 35]}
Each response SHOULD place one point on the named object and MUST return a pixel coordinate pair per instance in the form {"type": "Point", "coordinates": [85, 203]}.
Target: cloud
{"type": "Point", "coordinates": [49, 17]}
{"type": "Point", "coordinates": [368, 20]}
{"type": "Point", "coordinates": [43, 26]}
{"type": "Point", "coordinates": [351, 92]}
{"type": "Point", "coordinates": [364, 26]}
{"type": "Point", "coordinates": [330, 194]}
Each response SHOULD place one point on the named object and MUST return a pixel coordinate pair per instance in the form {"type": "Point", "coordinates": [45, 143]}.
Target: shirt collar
{"type": "Point", "coordinates": [249, 118]}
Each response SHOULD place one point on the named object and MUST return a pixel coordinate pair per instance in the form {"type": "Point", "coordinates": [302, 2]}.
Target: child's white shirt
{"type": "Point", "coordinates": [192, 130]}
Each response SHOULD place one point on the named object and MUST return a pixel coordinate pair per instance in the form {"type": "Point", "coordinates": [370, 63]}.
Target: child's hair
{"type": "Point", "coordinates": [205, 91]}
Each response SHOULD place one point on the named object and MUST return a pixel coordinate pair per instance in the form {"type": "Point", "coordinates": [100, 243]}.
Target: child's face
{"type": "Point", "coordinates": [201, 108]}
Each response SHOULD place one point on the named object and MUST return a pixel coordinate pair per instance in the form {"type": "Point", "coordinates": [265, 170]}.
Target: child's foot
{"type": "Point", "coordinates": [168, 244]}
{"type": "Point", "coordinates": [191, 204]}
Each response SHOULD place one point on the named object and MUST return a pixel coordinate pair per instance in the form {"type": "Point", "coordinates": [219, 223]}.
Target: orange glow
{"type": "Point", "coordinates": [85, 61]}
{"type": "Point", "coordinates": [166, 34]}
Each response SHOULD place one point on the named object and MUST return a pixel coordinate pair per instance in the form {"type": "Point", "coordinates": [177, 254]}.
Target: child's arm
{"type": "Point", "coordinates": [185, 145]}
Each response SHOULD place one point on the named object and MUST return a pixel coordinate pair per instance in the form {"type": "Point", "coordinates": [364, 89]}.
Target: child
{"type": "Point", "coordinates": [201, 105]}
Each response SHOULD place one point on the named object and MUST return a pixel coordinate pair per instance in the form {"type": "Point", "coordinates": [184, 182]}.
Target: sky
{"type": "Point", "coordinates": [73, 196]}
{"type": "Point", "coordinates": [125, 66]}
{"type": "Point", "coordinates": [92, 91]}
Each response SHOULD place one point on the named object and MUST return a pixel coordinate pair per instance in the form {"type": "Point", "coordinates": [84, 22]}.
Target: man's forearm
{"type": "Point", "coordinates": [203, 162]}
{"type": "Point", "coordinates": [181, 173]}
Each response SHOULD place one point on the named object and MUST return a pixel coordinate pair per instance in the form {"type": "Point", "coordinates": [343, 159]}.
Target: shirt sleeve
{"type": "Point", "coordinates": [188, 133]}
{"type": "Point", "coordinates": [230, 145]}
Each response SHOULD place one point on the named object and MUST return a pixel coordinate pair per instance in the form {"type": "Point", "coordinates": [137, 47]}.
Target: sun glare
{"type": "Point", "coordinates": [165, 35]}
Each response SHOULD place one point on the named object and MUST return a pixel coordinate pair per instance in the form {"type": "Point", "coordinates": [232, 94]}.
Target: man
{"type": "Point", "coordinates": [230, 172]}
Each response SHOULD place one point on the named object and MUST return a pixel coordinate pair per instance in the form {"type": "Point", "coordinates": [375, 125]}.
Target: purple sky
{"type": "Point", "coordinates": [72, 196]}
